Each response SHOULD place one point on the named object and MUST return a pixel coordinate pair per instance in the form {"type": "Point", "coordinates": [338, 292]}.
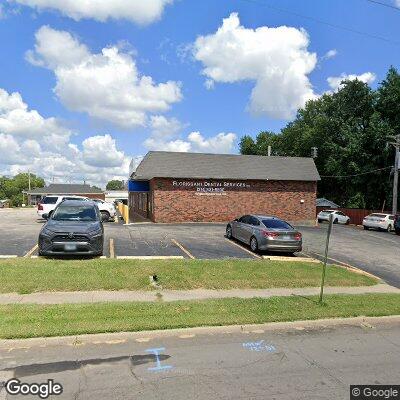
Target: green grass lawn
{"type": "Point", "coordinates": [38, 275]}
{"type": "Point", "coordinates": [25, 321]}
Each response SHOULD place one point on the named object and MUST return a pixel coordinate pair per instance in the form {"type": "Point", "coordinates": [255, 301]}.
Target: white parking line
{"type": "Point", "coordinates": [243, 248]}
{"type": "Point", "coordinates": [8, 256]}
{"type": "Point", "coordinates": [31, 251]}
{"type": "Point", "coordinates": [187, 252]}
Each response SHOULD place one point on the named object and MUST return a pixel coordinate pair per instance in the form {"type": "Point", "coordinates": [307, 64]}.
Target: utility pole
{"type": "Point", "coordinates": [29, 180]}
{"type": "Point", "coordinates": [396, 144]}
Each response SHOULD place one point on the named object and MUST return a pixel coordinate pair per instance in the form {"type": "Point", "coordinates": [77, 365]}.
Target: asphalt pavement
{"type": "Point", "coordinates": [373, 251]}
{"type": "Point", "coordinates": [301, 362]}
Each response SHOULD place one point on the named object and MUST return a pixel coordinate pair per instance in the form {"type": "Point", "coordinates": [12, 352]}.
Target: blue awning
{"type": "Point", "coordinates": [138, 186]}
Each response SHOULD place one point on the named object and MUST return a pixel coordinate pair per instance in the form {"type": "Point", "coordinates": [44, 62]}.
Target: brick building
{"type": "Point", "coordinates": [196, 187]}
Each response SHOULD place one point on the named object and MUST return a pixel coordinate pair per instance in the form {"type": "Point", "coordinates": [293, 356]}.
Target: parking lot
{"type": "Point", "coordinates": [372, 251]}
{"type": "Point", "coordinates": [19, 230]}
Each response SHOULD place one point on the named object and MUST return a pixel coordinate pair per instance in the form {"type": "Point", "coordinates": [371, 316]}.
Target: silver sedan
{"type": "Point", "coordinates": [265, 233]}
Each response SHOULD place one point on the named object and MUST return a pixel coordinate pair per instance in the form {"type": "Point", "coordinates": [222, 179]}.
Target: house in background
{"type": "Point", "coordinates": [35, 195]}
{"type": "Point", "coordinates": [324, 203]}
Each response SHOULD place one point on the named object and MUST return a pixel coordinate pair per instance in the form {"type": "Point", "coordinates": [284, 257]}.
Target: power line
{"type": "Point", "coordinates": [319, 21]}
{"type": "Point", "coordinates": [362, 173]}
{"type": "Point", "coordinates": [384, 4]}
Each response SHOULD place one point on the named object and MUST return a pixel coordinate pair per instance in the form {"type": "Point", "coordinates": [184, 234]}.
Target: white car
{"type": "Point", "coordinates": [338, 217]}
{"type": "Point", "coordinates": [106, 209]}
{"type": "Point", "coordinates": [48, 204]}
{"type": "Point", "coordinates": [379, 221]}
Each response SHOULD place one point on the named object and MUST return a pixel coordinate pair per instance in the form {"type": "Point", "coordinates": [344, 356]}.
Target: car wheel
{"type": "Point", "coordinates": [347, 222]}
{"type": "Point", "coordinates": [389, 228]}
{"type": "Point", "coordinates": [320, 221]}
{"type": "Point", "coordinates": [335, 221]}
{"type": "Point", "coordinates": [253, 244]}
{"type": "Point", "coordinates": [397, 231]}
{"type": "Point", "coordinates": [105, 215]}
{"type": "Point", "coordinates": [229, 232]}
{"type": "Point", "coordinates": [366, 228]}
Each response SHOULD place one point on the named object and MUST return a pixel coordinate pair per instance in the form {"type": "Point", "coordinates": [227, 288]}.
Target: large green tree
{"type": "Point", "coordinates": [12, 188]}
{"type": "Point", "coordinates": [115, 185]}
{"type": "Point", "coordinates": [350, 128]}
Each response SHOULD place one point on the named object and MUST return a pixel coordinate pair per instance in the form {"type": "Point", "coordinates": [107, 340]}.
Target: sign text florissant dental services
{"type": "Point", "coordinates": [210, 187]}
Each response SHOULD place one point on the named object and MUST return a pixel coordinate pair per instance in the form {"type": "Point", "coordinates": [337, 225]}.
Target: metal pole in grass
{"type": "Point", "coordinates": [326, 256]}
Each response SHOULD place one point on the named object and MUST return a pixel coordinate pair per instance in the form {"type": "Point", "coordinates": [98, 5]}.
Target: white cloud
{"type": "Point", "coordinates": [107, 86]}
{"type": "Point", "coordinates": [221, 143]}
{"type": "Point", "coordinates": [138, 11]}
{"type": "Point", "coordinates": [17, 120]}
{"type": "Point", "coordinates": [28, 141]}
{"type": "Point", "coordinates": [101, 151]}
{"type": "Point", "coordinates": [164, 127]}
{"type": "Point", "coordinates": [209, 84]}
{"type": "Point", "coordinates": [329, 54]}
{"type": "Point", "coordinates": [335, 81]}
{"type": "Point", "coordinates": [397, 3]}
{"type": "Point", "coordinates": [277, 59]}
{"type": "Point", "coordinates": [195, 142]}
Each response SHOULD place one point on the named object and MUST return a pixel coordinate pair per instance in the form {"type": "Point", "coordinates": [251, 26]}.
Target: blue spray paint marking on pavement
{"type": "Point", "coordinates": [159, 367]}
{"type": "Point", "coordinates": [259, 346]}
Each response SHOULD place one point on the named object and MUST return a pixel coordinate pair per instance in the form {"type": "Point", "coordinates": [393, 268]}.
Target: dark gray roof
{"type": "Point", "coordinates": [322, 202]}
{"type": "Point", "coordinates": [64, 188]}
{"type": "Point", "coordinates": [160, 164]}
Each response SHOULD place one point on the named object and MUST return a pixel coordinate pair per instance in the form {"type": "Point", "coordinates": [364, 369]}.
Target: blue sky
{"type": "Point", "coordinates": [96, 136]}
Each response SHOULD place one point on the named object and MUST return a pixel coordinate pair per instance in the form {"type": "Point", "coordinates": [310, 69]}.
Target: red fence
{"type": "Point", "coordinates": [356, 214]}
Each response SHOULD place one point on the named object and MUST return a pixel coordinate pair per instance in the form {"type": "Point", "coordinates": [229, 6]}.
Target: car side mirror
{"type": "Point", "coordinates": [45, 216]}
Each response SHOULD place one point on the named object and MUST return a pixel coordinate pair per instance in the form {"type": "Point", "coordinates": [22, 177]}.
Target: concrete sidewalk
{"type": "Point", "coordinates": [175, 295]}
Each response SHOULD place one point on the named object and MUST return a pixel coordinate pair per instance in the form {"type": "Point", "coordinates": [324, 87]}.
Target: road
{"type": "Point", "coordinates": [296, 363]}
{"type": "Point", "coordinates": [372, 251]}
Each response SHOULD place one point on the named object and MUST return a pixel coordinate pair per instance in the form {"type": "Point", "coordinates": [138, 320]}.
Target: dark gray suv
{"type": "Point", "coordinates": [74, 228]}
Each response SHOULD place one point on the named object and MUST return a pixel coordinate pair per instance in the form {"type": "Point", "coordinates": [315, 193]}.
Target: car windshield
{"type": "Point", "coordinates": [75, 213]}
{"type": "Point", "coordinates": [276, 224]}
{"type": "Point", "coordinates": [327, 211]}
{"type": "Point", "coordinates": [49, 200]}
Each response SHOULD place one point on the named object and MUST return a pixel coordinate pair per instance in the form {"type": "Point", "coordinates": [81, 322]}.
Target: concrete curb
{"type": "Point", "coordinates": [345, 265]}
{"type": "Point", "coordinates": [145, 336]}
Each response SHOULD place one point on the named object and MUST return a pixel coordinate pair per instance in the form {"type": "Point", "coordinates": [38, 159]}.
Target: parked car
{"type": "Point", "coordinates": [75, 227]}
{"type": "Point", "coordinates": [107, 209]}
{"type": "Point", "coordinates": [338, 217]}
{"type": "Point", "coordinates": [48, 204]}
{"type": "Point", "coordinates": [265, 233]}
{"type": "Point", "coordinates": [397, 225]}
{"type": "Point", "coordinates": [380, 221]}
